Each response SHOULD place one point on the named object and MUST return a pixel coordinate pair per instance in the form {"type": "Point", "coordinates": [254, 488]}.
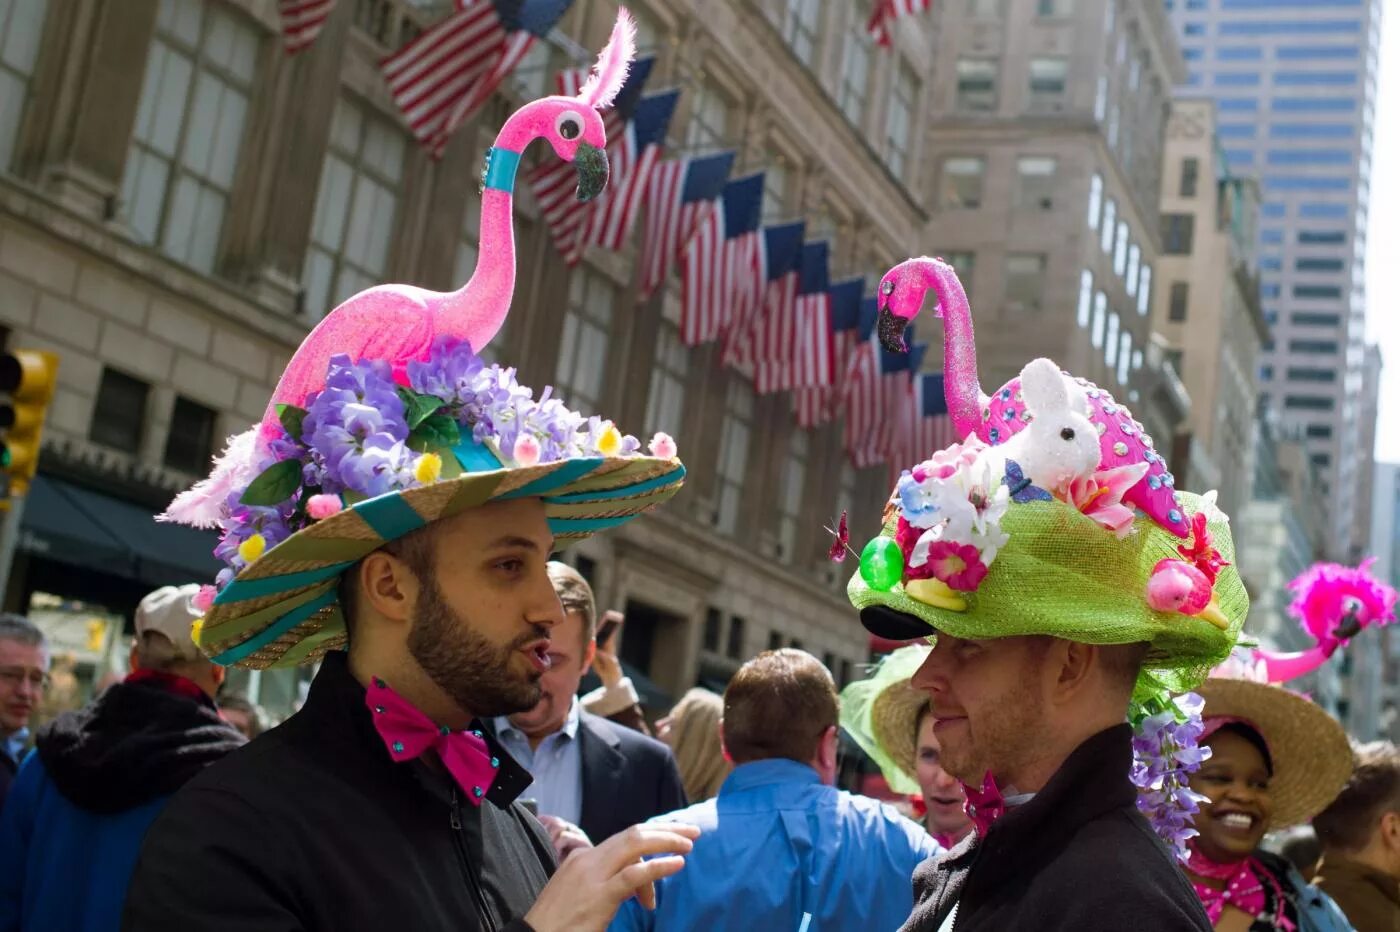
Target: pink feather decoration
{"type": "Point", "coordinates": [610, 73]}
{"type": "Point", "coordinates": [203, 504]}
{"type": "Point", "coordinates": [1325, 593]}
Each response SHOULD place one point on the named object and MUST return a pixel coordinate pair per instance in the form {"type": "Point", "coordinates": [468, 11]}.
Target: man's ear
{"type": "Point", "coordinates": [1073, 664]}
{"type": "Point", "coordinates": [387, 586]}
{"type": "Point", "coordinates": [589, 653]}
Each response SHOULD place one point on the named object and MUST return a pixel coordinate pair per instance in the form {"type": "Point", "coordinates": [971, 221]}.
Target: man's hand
{"type": "Point", "coordinates": [584, 894]}
{"type": "Point", "coordinates": [566, 836]}
{"type": "Point", "coordinates": [605, 661]}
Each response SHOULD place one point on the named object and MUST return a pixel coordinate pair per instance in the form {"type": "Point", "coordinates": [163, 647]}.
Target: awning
{"type": "Point", "coordinates": [85, 528]}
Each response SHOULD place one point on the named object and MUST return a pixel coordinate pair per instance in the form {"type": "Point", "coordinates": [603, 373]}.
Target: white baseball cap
{"type": "Point", "coordinates": [170, 611]}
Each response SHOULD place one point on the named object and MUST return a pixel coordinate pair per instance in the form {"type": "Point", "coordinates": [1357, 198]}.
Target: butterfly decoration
{"type": "Point", "coordinates": [842, 545]}
{"type": "Point", "coordinates": [1021, 489]}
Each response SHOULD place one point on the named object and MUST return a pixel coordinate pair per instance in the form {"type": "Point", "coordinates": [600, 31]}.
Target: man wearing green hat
{"type": "Point", "coordinates": [1053, 605]}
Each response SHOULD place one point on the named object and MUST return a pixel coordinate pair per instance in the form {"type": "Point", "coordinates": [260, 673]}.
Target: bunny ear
{"type": "Point", "coordinates": [610, 73]}
{"type": "Point", "coordinates": [1044, 387]}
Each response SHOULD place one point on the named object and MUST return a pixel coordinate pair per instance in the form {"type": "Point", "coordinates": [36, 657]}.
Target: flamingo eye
{"type": "Point", "coordinates": [887, 287]}
{"type": "Point", "coordinates": [1067, 433]}
{"type": "Point", "coordinates": [569, 125]}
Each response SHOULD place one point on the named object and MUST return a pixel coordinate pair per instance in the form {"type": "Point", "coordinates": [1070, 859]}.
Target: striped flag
{"type": "Point", "coordinates": [885, 14]}
{"type": "Point", "coordinates": [800, 347]}
{"type": "Point", "coordinates": [875, 382]}
{"type": "Point", "coordinates": [555, 182]}
{"type": "Point", "coordinates": [679, 195]}
{"type": "Point", "coordinates": [441, 79]}
{"type": "Point", "coordinates": [815, 406]}
{"type": "Point", "coordinates": [302, 21]}
{"type": "Point", "coordinates": [724, 248]}
{"type": "Point", "coordinates": [633, 159]}
{"type": "Point", "coordinates": [921, 427]}
{"type": "Point", "coordinates": [778, 267]}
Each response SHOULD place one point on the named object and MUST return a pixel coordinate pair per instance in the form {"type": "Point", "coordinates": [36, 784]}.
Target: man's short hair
{"type": "Point", "coordinates": [414, 548]}
{"type": "Point", "coordinates": [21, 630]}
{"type": "Point", "coordinates": [779, 705]}
{"type": "Point", "coordinates": [575, 595]}
{"type": "Point", "coordinates": [1374, 789]}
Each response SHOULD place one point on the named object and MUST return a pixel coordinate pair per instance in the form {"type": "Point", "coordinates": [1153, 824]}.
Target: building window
{"type": "Point", "coordinates": [666, 397]}
{"type": "Point", "coordinates": [962, 181]}
{"type": "Point", "coordinates": [1309, 403]}
{"type": "Point", "coordinates": [790, 495]}
{"type": "Point", "coordinates": [1025, 281]}
{"type": "Point", "coordinates": [1120, 250]}
{"type": "Point", "coordinates": [1317, 291]}
{"type": "Point", "coordinates": [1047, 82]}
{"type": "Point", "coordinates": [964, 263]}
{"type": "Point", "coordinates": [1134, 264]}
{"type": "Point", "coordinates": [583, 346]}
{"type": "Point", "coordinates": [1176, 303]}
{"type": "Point", "coordinates": [21, 26]}
{"type": "Point", "coordinates": [1086, 298]}
{"type": "Point", "coordinates": [1322, 237]}
{"type": "Point", "coordinates": [904, 95]}
{"type": "Point", "coordinates": [1110, 218]}
{"type": "Point", "coordinates": [355, 207]}
{"type": "Point", "coordinates": [1190, 171]}
{"type": "Point", "coordinates": [1095, 200]}
{"type": "Point", "coordinates": [775, 640]}
{"type": "Point", "coordinates": [800, 26]}
{"type": "Point", "coordinates": [120, 412]}
{"type": "Point", "coordinates": [1035, 182]}
{"type": "Point", "coordinates": [1125, 355]}
{"type": "Point", "coordinates": [1110, 345]}
{"type": "Point", "coordinates": [190, 442]}
{"type": "Point", "coordinates": [1319, 431]}
{"type": "Point", "coordinates": [1305, 374]}
{"type": "Point", "coordinates": [1318, 265]}
{"type": "Point", "coordinates": [734, 644]}
{"type": "Point", "coordinates": [1054, 9]}
{"type": "Point", "coordinates": [1177, 233]}
{"type": "Point", "coordinates": [189, 129]}
{"type": "Point", "coordinates": [986, 9]}
{"type": "Point", "coordinates": [777, 189]}
{"type": "Point", "coordinates": [1144, 294]}
{"type": "Point", "coordinates": [1311, 319]}
{"type": "Point", "coordinates": [855, 67]}
{"type": "Point", "coordinates": [733, 453]}
{"type": "Point", "coordinates": [1100, 315]}
{"type": "Point", "coordinates": [711, 111]}
{"type": "Point", "coordinates": [714, 622]}
{"type": "Point", "coordinates": [977, 84]}
{"type": "Point", "coordinates": [1316, 347]}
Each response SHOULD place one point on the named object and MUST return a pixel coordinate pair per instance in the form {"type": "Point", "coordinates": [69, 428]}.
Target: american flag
{"type": "Point", "coordinates": [633, 159]}
{"type": "Point", "coordinates": [816, 406]}
{"type": "Point", "coordinates": [800, 350]}
{"type": "Point", "coordinates": [555, 182]}
{"type": "Point", "coordinates": [778, 267]}
{"type": "Point", "coordinates": [922, 425]}
{"type": "Point", "coordinates": [875, 382]}
{"type": "Point", "coordinates": [885, 14]}
{"type": "Point", "coordinates": [679, 195]}
{"type": "Point", "coordinates": [302, 21]}
{"type": "Point", "coordinates": [723, 251]}
{"type": "Point", "coordinates": [445, 75]}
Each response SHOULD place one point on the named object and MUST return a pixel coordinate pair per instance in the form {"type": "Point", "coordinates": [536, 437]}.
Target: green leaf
{"type": "Point", "coordinates": [275, 485]}
{"type": "Point", "coordinates": [434, 433]}
{"type": "Point", "coordinates": [291, 417]}
{"type": "Point", "coordinates": [418, 408]}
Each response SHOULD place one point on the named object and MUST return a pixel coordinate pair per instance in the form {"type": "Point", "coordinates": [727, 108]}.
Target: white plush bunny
{"type": "Point", "coordinates": [1060, 443]}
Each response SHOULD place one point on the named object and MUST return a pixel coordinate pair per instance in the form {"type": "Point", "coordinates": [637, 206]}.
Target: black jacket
{"type": "Point", "coordinates": [314, 827]}
{"type": "Point", "coordinates": [1077, 856]}
{"type": "Point", "coordinates": [627, 778]}
{"type": "Point", "coordinates": [8, 766]}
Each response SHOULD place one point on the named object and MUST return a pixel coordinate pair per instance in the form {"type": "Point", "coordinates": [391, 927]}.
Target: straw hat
{"type": "Point", "coordinates": [1311, 755]}
{"type": "Point", "coordinates": [882, 715]}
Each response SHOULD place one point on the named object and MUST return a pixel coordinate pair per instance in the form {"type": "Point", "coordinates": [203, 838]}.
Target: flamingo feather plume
{"type": "Point", "coordinates": [202, 505]}
{"type": "Point", "coordinates": [614, 63]}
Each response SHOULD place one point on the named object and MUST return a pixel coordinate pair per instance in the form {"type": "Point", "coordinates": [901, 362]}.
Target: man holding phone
{"type": "Point", "coordinates": [592, 778]}
{"type": "Point", "coordinates": [616, 700]}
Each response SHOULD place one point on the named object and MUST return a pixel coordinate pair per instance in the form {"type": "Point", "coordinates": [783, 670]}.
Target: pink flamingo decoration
{"type": "Point", "coordinates": [1333, 603]}
{"type": "Point", "coordinates": [401, 322]}
{"type": "Point", "coordinates": [999, 417]}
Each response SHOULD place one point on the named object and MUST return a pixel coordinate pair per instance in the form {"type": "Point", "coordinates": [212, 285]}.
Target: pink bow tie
{"type": "Point", "coordinates": [984, 806]}
{"type": "Point", "coordinates": [407, 733]}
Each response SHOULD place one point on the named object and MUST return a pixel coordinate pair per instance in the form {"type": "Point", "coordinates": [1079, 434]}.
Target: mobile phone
{"type": "Point", "coordinates": [532, 806]}
{"type": "Point", "coordinates": [606, 630]}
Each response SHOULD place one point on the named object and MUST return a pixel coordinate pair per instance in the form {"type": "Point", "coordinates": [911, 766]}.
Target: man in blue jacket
{"type": "Point", "coordinates": [80, 805]}
{"type": "Point", "coordinates": [780, 848]}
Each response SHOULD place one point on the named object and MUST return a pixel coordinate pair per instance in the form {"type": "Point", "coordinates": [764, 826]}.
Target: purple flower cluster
{"type": "Point", "coordinates": [356, 429]}
{"type": "Point", "coordinates": [1166, 750]}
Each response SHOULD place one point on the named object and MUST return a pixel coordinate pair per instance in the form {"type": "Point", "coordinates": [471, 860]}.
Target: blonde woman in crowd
{"type": "Point", "coordinates": [692, 731]}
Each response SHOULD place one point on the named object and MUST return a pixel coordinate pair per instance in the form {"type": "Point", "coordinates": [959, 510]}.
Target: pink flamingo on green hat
{"type": "Point", "coordinates": [1000, 416]}
{"type": "Point", "coordinates": [401, 323]}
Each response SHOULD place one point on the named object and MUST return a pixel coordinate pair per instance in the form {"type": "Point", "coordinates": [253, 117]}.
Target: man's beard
{"type": "Point", "coordinates": [474, 672]}
{"type": "Point", "coordinates": [1006, 735]}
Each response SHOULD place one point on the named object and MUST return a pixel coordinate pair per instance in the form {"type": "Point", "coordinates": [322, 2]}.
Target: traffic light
{"type": "Point", "coordinates": [27, 376]}
{"type": "Point", "coordinates": [96, 635]}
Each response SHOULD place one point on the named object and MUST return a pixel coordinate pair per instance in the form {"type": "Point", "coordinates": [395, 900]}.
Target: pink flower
{"type": "Point", "coordinates": [319, 507]}
{"type": "Point", "coordinates": [950, 460]}
{"type": "Point", "coordinates": [662, 446]}
{"type": "Point", "coordinates": [958, 565]}
{"type": "Point", "coordinates": [1100, 496]}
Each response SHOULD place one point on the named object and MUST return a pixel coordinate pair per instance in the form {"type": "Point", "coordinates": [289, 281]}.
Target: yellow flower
{"type": "Point", "coordinates": [196, 629]}
{"type": "Point", "coordinates": [428, 468]}
{"type": "Point", "coordinates": [252, 548]}
{"type": "Point", "coordinates": [611, 441]}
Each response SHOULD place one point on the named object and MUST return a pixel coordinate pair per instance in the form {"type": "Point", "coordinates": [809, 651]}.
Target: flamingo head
{"type": "Point", "coordinates": [899, 297]}
{"type": "Point", "coordinates": [575, 132]}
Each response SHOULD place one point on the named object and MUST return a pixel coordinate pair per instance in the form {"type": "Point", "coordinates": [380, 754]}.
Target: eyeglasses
{"type": "Point", "coordinates": [17, 676]}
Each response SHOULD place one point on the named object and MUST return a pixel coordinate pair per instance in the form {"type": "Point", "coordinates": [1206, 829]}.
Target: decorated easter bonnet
{"type": "Point", "coordinates": [386, 420]}
{"type": "Point", "coordinates": [882, 714]}
{"type": "Point", "coordinates": [1055, 516]}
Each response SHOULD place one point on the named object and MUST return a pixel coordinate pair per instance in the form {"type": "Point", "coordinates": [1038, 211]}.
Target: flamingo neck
{"type": "Point", "coordinates": [961, 388]}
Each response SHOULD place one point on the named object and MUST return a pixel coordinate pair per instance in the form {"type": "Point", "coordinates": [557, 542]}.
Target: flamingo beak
{"type": "Point", "coordinates": [591, 163]}
{"type": "Point", "coordinates": [890, 328]}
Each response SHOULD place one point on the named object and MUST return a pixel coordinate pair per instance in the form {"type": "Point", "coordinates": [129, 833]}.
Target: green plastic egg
{"type": "Point", "coordinates": [881, 564]}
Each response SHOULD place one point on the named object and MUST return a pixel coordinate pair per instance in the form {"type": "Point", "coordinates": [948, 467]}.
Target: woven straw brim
{"type": "Point", "coordinates": [881, 712]}
{"type": "Point", "coordinates": [281, 611]}
{"type": "Point", "coordinates": [1061, 574]}
{"type": "Point", "coordinates": [894, 720]}
{"type": "Point", "coordinates": [1311, 755]}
